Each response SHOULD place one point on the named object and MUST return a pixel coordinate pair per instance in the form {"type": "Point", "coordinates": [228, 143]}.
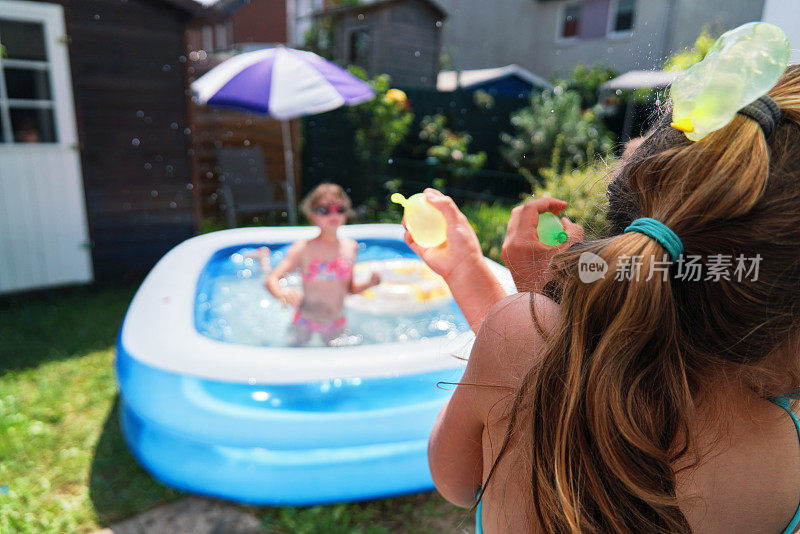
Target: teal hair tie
{"type": "Point", "coordinates": [660, 232]}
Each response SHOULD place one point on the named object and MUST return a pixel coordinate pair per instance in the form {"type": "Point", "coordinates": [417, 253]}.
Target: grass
{"type": "Point", "coordinates": [63, 464]}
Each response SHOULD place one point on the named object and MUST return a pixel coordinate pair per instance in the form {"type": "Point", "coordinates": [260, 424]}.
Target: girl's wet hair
{"type": "Point", "coordinates": [608, 408]}
{"type": "Point", "coordinates": [321, 191]}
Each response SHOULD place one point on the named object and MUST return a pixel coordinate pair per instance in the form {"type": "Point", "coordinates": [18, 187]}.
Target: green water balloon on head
{"type": "Point", "coordinates": [742, 66]}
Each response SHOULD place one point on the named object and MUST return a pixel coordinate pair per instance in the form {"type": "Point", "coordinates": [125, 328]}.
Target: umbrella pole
{"type": "Point", "coordinates": [288, 158]}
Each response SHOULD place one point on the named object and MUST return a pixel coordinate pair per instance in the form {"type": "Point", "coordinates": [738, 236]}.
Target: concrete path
{"type": "Point", "coordinates": [191, 515]}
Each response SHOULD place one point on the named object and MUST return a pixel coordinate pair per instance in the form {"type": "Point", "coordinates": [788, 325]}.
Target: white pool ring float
{"type": "Point", "coordinates": [408, 286]}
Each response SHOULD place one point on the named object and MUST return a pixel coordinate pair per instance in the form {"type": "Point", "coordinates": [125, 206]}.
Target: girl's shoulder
{"type": "Point", "coordinates": [348, 247]}
{"type": "Point", "coordinates": [508, 345]}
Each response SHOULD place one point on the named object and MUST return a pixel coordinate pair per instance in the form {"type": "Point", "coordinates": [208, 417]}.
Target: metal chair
{"type": "Point", "coordinates": [244, 185]}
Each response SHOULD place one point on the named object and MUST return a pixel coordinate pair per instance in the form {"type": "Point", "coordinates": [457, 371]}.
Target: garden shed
{"type": "Point", "coordinates": [95, 166]}
{"type": "Point", "coordinates": [402, 38]}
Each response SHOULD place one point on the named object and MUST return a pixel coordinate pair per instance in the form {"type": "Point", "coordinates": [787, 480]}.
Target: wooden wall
{"type": "Point", "coordinates": [129, 80]}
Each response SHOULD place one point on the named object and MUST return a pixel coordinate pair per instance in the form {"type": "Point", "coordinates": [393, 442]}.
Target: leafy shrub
{"type": "Point", "coordinates": [490, 222]}
{"type": "Point", "coordinates": [689, 56]}
{"type": "Point", "coordinates": [381, 123]}
{"type": "Point", "coordinates": [554, 132]}
{"type": "Point", "coordinates": [586, 81]}
{"type": "Point", "coordinates": [449, 150]}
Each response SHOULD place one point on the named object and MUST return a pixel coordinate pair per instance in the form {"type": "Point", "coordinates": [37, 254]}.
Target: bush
{"type": "Point", "coordinates": [381, 123]}
{"type": "Point", "coordinates": [554, 132]}
{"type": "Point", "coordinates": [449, 150]}
{"type": "Point", "coordinates": [490, 222]}
{"type": "Point", "coordinates": [584, 191]}
{"type": "Point", "coordinates": [586, 81]}
{"type": "Point", "coordinates": [689, 56]}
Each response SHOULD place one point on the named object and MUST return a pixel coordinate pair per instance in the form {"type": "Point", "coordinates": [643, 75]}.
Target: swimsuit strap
{"type": "Point", "coordinates": [784, 402]}
{"type": "Point", "coordinates": [478, 523]}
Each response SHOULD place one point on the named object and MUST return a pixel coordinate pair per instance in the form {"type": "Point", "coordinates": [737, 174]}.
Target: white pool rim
{"type": "Point", "coordinates": [159, 328]}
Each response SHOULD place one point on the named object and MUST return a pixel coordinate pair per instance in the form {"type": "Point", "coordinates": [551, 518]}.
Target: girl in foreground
{"type": "Point", "coordinates": [326, 266]}
{"type": "Point", "coordinates": [642, 403]}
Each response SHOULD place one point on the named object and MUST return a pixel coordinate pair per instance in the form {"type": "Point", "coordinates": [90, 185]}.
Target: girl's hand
{"type": "Point", "coordinates": [461, 250]}
{"type": "Point", "coordinates": [375, 279]}
{"type": "Point", "coordinates": [525, 256]}
{"type": "Point", "coordinates": [291, 297]}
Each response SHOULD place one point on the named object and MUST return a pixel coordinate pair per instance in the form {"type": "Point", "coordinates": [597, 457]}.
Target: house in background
{"type": "Point", "coordinates": [402, 38]}
{"type": "Point", "coordinates": [95, 166]}
{"type": "Point", "coordinates": [549, 35]}
{"type": "Point", "coordinates": [243, 25]}
{"type": "Point", "coordinates": [786, 14]}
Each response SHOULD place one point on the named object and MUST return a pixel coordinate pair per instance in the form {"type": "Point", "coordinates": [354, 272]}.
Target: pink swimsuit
{"type": "Point", "coordinates": [341, 267]}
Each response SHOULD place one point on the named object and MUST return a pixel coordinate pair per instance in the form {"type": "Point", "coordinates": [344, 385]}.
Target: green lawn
{"type": "Point", "coordinates": [63, 464]}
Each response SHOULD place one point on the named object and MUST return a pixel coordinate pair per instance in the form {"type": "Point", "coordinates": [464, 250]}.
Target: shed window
{"type": "Point", "coordinates": [570, 21]}
{"type": "Point", "coordinates": [624, 16]}
{"type": "Point", "coordinates": [26, 97]}
{"type": "Point", "coordinates": [359, 48]}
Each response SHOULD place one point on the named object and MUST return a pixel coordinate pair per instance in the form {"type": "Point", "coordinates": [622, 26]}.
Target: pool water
{"type": "Point", "coordinates": [232, 304]}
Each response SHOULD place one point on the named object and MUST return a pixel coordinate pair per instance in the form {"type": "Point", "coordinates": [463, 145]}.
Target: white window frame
{"type": "Point", "coordinates": [51, 17]}
{"type": "Point", "coordinates": [613, 8]}
{"type": "Point", "coordinates": [562, 12]}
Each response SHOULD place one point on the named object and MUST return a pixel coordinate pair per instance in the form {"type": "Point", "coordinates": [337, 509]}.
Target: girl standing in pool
{"type": "Point", "coordinates": [326, 266]}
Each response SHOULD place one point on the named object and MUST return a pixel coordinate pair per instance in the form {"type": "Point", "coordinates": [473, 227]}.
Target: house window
{"type": "Point", "coordinates": [359, 48]}
{"type": "Point", "coordinates": [569, 21]}
{"type": "Point", "coordinates": [27, 103]}
{"type": "Point", "coordinates": [623, 16]}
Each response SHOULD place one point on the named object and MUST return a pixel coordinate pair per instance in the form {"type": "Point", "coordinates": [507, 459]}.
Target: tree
{"type": "Point", "coordinates": [554, 132]}
{"type": "Point", "coordinates": [689, 56]}
{"type": "Point", "coordinates": [586, 81]}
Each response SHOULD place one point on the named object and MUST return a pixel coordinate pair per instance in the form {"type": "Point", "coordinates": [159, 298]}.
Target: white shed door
{"type": "Point", "coordinates": [43, 228]}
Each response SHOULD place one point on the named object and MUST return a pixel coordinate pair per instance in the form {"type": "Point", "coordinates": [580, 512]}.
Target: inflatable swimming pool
{"type": "Point", "coordinates": [238, 419]}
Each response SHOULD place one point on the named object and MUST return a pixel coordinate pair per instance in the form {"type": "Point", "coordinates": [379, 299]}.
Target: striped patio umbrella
{"type": "Point", "coordinates": [283, 83]}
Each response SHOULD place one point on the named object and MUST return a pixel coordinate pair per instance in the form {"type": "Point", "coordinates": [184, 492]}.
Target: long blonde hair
{"type": "Point", "coordinates": [610, 402]}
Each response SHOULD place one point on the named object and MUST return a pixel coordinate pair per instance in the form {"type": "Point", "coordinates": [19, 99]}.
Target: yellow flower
{"type": "Point", "coordinates": [395, 95]}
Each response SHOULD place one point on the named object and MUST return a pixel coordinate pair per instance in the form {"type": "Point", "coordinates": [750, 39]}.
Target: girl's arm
{"type": "Point", "coordinates": [374, 279]}
{"type": "Point", "coordinates": [506, 347]}
{"type": "Point", "coordinates": [289, 264]}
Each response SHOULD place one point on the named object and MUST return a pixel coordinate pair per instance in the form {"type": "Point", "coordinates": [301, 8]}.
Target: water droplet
{"type": "Point", "coordinates": [154, 193]}
{"type": "Point", "coordinates": [360, 16]}
{"type": "Point", "coordinates": [260, 396]}
{"type": "Point", "coordinates": [417, 53]}
{"type": "Point", "coordinates": [166, 68]}
{"type": "Point", "coordinates": [174, 125]}
{"type": "Point", "coordinates": [187, 131]}
{"type": "Point", "coordinates": [140, 114]}
{"type": "Point", "coordinates": [189, 187]}
{"type": "Point", "coordinates": [182, 59]}
{"type": "Point", "coordinates": [251, 381]}
{"type": "Point", "coordinates": [246, 142]}
{"type": "Point", "coordinates": [135, 141]}
{"type": "Point", "coordinates": [148, 166]}
{"type": "Point", "coordinates": [96, 16]}
{"type": "Point", "coordinates": [438, 23]}
{"type": "Point", "coordinates": [173, 204]}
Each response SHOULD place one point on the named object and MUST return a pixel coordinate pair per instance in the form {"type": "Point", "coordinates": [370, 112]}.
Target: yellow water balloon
{"type": "Point", "coordinates": [426, 224]}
